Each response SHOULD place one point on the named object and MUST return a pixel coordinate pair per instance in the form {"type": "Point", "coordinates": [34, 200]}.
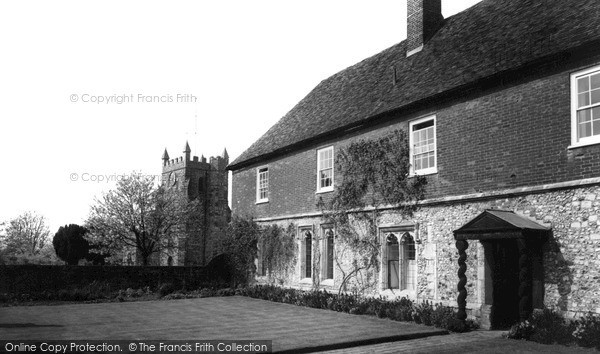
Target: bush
{"type": "Point", "coordinates": [225, 292]}
{"type": "Point", "coordinates": [587, 331]}
{"type": "Point", "coordinates": [165, 289]}
{"type": "Point", "coordinates": [422, 313]}
{"type": "Point", "coordinates": [398, 310]}
{"type": "Point", "coordinates": [175, 296]}
{"type": "Point", "coordinates": [549, 327]}
{"type": "Point", "coordinates": [442, 316]}
{"type": "Point", "coordinates": [522, 330]}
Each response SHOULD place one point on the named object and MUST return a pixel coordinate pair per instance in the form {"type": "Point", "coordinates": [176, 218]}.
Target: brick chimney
{"type": "Point", "coordinates": [424, 19]}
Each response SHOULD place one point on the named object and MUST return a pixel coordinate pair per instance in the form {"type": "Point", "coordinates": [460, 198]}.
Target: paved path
{"type": "Point", "coordinates": [473, 342]}
{"type": "Point", "coordinates": [290, 327]}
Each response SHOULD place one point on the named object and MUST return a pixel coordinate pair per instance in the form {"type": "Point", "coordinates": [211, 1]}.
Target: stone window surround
{"type": "Point", "coordinates": [259, 263]}
{"type": "Point", "coordinates": [301, 269]}
{"type": "Point", "coordinates": [323, 241]}
{"type": "Point", "coordinates": [383, 231]}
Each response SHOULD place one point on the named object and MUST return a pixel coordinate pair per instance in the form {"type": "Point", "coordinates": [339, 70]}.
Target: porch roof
{"type": "Point", "coordinates": [500, 224]}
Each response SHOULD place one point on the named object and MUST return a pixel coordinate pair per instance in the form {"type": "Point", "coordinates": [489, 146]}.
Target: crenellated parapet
{"type": "Point", "coordinates": [203, 181]}
{"type": "Point", "coordinates": [216, 162]}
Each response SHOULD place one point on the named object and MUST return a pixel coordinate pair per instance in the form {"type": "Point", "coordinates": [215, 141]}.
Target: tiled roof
{"type": "Point", "coordinates": [492, 37]}
{"type": "Point", "coordinates": [500, 224]}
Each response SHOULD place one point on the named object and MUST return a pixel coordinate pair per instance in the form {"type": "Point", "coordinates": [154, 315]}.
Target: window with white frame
{"type": "Point", "coordinates": [262, 185]}
{"type": "Point", "coordinates": [327, 254]}
{"type": "Point", "coordinates": [423, 146]}
{"type": "Point", "coordinates": [585, 106]}
{"type": "Point", "coordinates": [325, 169]}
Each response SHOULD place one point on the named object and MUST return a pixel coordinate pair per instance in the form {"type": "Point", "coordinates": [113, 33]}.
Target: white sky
{"type": "Point", "coordinates": [248, 62]}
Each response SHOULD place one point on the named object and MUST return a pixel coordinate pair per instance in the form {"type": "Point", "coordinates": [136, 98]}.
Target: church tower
{"type": "Point", "coordinates": [205, 185]}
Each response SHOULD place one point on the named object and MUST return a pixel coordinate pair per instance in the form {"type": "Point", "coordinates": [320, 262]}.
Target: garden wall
{"type": "Point", "coordinates": [30, 279]}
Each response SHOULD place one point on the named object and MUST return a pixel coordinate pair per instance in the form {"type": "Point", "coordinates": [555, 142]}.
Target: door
{"type": "Point", "coordinates": [502, 257]}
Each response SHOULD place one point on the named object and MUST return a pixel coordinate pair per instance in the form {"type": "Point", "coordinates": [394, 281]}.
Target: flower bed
{"type": "Point", "coordinates": [549, 327]}
{"type": "Point", "coordinates": [398, 310]}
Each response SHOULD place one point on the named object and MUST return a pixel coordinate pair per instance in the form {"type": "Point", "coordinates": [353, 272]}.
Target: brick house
{"type": "Point", "coordinates": [502, 106]}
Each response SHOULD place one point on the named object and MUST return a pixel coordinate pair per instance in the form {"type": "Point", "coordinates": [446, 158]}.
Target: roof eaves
{"type": "Point", "coordinates": [589, 49]}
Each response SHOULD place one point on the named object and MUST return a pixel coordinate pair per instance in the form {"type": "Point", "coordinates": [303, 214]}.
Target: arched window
{"type": "Point", "coordinates": [409, 264]}
{"type": "Point", "coordinates": [393, 261]}
{"type": "Point", "coordinates": [328, 255]}
{"type": "Point", "coordinates": [170, 261]}
{"type": "Point", "coordinates": [307, 254]}
{"type": "Point", "coordinates": [262, 264]}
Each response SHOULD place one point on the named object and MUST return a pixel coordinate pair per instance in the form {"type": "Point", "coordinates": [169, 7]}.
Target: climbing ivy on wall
{"type": "Point", "coordinates": [375, 175]}
{"type": "Point", "coordinates": [244, 238]}
{"type": "Point", "coordinates": [278, 250]}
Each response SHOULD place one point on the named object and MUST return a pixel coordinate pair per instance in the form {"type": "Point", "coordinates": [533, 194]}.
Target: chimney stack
{"type": "Point", "coordinates": [424, 19]}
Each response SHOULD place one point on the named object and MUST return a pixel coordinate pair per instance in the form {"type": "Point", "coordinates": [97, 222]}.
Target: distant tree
{"type": "Point", "coordinates": [139, 215]}
{"type": "Point", "coordinates": [27, 234]}
{"type": "Point", "coordinates": [69, 244]}
{"type": "Point", "coordinates": [96, 256]}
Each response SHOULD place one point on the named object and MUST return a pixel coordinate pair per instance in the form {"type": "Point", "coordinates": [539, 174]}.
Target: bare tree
{"type": "Point", "coordinates": [138, 215]}
{"type": "Point", "coordinates": [27, 234]}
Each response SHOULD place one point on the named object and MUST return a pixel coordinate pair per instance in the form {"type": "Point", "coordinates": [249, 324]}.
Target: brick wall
{"type": "Point", "coordinates": [497, 139]}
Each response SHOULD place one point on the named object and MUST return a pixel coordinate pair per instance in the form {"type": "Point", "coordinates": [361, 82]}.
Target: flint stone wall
{"type": "Point", "coordinates": [571, 254]}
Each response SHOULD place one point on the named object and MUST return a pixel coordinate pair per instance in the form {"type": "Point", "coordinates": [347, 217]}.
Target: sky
{"type": "Point", "coordinates": [94, 90]}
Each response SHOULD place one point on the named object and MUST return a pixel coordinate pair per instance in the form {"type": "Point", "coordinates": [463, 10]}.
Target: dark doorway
{"type": "Point", "coordinates": [514, 272]}
{"type": "Point", "coordinates": [502, 261]}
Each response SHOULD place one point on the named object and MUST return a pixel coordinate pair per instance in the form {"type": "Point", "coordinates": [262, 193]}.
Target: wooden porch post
{"type": "Point", "coordinates": [462, 246]}
{"type": "Point", "coordinates": [525, 273]}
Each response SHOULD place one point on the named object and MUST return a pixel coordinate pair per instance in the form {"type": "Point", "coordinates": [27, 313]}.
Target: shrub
{"type": "Point", "coordinates": [240, 245]}
{"type": "Point", "coordinates": [165, 289]}
{"type": "Point", "coordinates": [587, 331]}
{"type": "Point", "coordinates": [225, 292]}
{"type": "Point", "coordinates": [521, 330]}
{"type": "Point", "coordinates": [442, 316]}
{"type": "Point", "coordinates": [551, 327]}
{"type": "Point", "coordinates": [544, 326]}
{"type": "Point", "coordinates": [398, 310]}
{"type": "Point", "coordinates": [175, 296]}
{"type": "Point", "coordinates": [422, 313]}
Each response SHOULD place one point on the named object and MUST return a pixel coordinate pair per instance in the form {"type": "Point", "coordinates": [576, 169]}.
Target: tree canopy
{"type": "Point", "coordinates": [69, 244]}
{"type": "Point", "coordinates": [138, 215]}
{"type": "Point", "coordinates": [27, 234]}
